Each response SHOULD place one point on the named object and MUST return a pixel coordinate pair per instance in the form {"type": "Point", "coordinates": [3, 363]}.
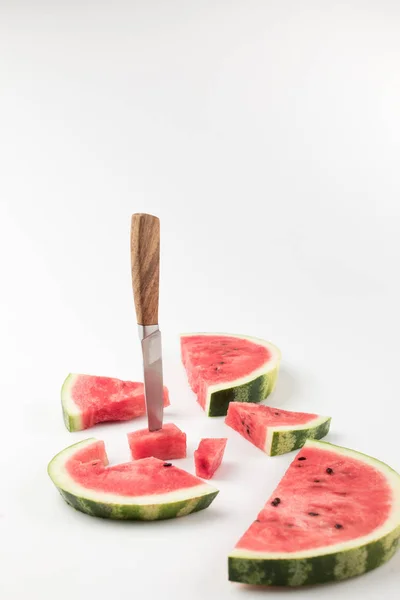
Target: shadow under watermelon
{"type": "Point", "coordinates": [287, 386]}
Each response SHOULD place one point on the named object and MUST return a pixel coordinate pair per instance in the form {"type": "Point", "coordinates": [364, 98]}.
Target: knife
{"type": "Point", "coordinates": [145, 262]}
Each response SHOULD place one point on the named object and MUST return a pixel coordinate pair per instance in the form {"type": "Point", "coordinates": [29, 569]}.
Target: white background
{"type": "Point", "coordinates": [266, 136]}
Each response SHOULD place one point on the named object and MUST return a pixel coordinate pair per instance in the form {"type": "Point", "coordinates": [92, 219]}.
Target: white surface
{"type": "Point", "coordinates": [266, 136]}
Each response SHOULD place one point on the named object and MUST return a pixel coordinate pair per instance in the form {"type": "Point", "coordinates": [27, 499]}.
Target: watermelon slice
{"type": "Point", "coordinates": [273, 430]}
{"type": "Point", "coordinates": [208, 456]}
{"type": "Point", "coordinates": [87, 400]}
{"type": "Point", "coordinates": [222, 368]}
{"type": "Point", "coordinates": [335, 514]}
{"type": "Point", "coordinates": [166, 443]}
{"type": "Point", "coordinates": [147, 489]}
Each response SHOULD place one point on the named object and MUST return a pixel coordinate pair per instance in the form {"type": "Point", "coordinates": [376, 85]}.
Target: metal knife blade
{"type": "Point", "coordinates": [153, 379]}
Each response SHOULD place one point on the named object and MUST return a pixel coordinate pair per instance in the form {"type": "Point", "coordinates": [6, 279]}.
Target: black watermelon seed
{"type": "Point", "coordinates": [277, 414]}
{"type": "Point", "coordinates": [248, 430]}
{"type": "Point", "coordinates": [329, 471]}
{"type": "Point", "coordinates": [276, 501]}
{"type": "Point", "coordinates": [339, 526]}
{"type": "Point", "coordinates": [313, 514]}
{"type": "Point", "coordinates": [257, 520]}
{"type": "Point", "coordinates": [302, 458]}
{"type": "Point", "coordinates": [221, 362]}
{"type": "Point", "coordinates": [167, 465]}
{"type": "Point", "coordinates": [317, 480]}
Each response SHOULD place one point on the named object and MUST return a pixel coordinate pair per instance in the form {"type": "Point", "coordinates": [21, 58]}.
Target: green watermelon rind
{"type": "Point", "coordinates": [283, 439]}
{"type": "Point", "coordinates": [72, 414]}
{"type": "Point", "coordinates": [142, 508]}
{"type": "Point", "coordinates": [150, 512]}
{"type": "Point", "coordinates": [331, 563]}
{"type": "Point", "coordinates": [253, 388]}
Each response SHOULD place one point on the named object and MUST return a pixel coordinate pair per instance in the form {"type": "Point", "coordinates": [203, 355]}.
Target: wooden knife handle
{"type": "Point", "coordinates": [145, 261]}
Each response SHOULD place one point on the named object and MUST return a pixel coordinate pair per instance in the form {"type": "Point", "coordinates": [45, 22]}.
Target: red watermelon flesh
{"type": "Point", "coordinates": [252, 420]}
{"type": "Point", "coordinates": [323, 499]}
{"type": "Point", "coordinates": [213, 359]}
{"type": "Point", "coordinates": [208, 456]}
{"type": "Point", "coordinates": [166, 443]}
{"type": "Point", "coordinates": [273, 430]}
{"type": "Point", "coordinates": [89, 399]}
{"type": "Point", "coordinates": [148, 476]}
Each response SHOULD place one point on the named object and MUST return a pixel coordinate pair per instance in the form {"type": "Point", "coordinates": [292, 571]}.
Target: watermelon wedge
{"type": "Point", "coordinates": [335, 514]}
{"type": "Point", "coordinates": [273, 430]}
{"type": "Point", "coordinates": [208, 456]}
{"type": "Point", "coordinates": [166, 443]}
{"type": "Point", "coordinates": [223, 368]}
{"type": "Point", "coordinates": [146, 489]}
{"type": "Point", "coordinates": [88, 399]}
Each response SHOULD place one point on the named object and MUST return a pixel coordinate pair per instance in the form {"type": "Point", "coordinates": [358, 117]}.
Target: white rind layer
{"type": "Point", "coordinates": [69, 405]}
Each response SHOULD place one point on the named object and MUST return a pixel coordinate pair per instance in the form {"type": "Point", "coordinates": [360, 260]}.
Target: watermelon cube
{"type": "Point", "coordinates": [166, 443]}
{"type": "Point", "coordinates": [208, 456]}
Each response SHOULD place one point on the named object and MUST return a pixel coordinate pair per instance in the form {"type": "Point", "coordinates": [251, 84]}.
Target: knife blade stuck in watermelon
{"type": "Point", "coordinates": [145, 268]}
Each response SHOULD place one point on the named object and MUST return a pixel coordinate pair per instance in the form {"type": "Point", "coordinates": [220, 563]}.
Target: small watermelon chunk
{"type": "Point", "coordinates": [166, 443]}
{"type": "Point", "coordinates": [142, 490]}
{"type": "Point", "coordinates": [88, 399]}
{"type": "Point", "coordinates": [223, 368]}
{"type": "Point", "coordinates": [273, 430]}
{"type": "Point", "coordinates": [335, 514]}
{"type": "Point", "coordinates": [208, 456]}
